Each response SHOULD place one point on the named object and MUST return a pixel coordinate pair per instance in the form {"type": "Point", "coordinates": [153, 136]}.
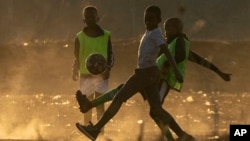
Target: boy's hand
{"type": "Point", "coordinates": [75, 70]}
{"type": "Point", "coordinates": [75, 75]}
{"type": "Point", "coordinates": [225, 76]}
{"type": "Point", "coordinates": [106, 74]}
{"type": "Point", "coordinates": [179, 77]}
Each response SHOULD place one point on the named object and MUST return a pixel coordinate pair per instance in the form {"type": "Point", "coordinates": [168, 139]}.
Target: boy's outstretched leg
{"type": "Point", "coordinates": [86, 105]}
{"type": "Point", "coordinates": [107, 96]}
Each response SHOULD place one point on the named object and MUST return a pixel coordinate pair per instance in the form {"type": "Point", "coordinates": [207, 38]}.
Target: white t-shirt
{"type": "Point", "coordinates": [149, 48]}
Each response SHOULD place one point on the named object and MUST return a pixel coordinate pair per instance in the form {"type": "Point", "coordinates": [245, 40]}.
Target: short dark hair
{"type": "Point", "coordinates": [89, 8]}
{"type": "Point", "coordinates": [154, 9]}
{"type": "Point", "coordinates": [176, 22]}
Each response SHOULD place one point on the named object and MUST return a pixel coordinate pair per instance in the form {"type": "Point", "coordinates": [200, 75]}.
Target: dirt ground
{"type": "Point", "coordinates": [53, 117]}
{"type": "Point", "coordinates": [37, 94]}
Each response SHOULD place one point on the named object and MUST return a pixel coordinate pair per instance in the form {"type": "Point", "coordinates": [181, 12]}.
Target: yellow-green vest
{"type": "Point", "coordinates": [89, 45]}
{"type": "Point", "coordinates": [169, 76]}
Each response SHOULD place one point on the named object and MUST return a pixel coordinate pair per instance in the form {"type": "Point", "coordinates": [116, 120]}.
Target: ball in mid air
{"type": "Point", "coordinates": [95, 63]}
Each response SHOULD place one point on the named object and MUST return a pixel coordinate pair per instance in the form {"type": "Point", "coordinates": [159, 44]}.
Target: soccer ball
{"type": "Point", "coordinates": [95, 63]}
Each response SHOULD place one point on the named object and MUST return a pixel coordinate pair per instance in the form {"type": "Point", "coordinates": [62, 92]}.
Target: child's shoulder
{"type": "Point", "coordinates": [154, 32]}
{"type": "Point", "coordinates": [157, 30]}
{"type": "Point", "coordinates": [79, 32]}
{"type": "Point", "coordinates": [106, 31]}
{"type": "Point", "coordinates": [182, 36]}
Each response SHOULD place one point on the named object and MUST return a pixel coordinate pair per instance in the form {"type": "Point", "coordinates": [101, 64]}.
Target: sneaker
{"type": "Point", "coordinates": [186, 137]}
{"type": "Point", "coordinates": [84, 103]}
{"type": "Point", "coordinates": [88, 130]}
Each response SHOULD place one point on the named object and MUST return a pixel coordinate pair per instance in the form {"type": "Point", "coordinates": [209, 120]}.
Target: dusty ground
{"type": "Point", "coordinates": [37, 94]}
{"type": "Point", "coordinates": [53, 117]}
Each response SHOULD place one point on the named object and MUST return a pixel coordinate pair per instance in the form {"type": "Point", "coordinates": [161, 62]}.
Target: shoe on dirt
{"type": "Point", "coordinates": [186, 137]}
{"type": "Point", "coordinates": [88, 131]}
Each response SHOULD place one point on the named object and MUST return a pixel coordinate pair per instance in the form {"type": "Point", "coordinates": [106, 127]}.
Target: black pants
{"type": "Point", "coordinates": [146, 80]}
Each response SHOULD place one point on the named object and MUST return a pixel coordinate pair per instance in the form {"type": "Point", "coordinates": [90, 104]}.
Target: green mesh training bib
{"type": "Point", "coordinates": [169, 76]}
{"type": "Point", "coordinates": [89, 45]}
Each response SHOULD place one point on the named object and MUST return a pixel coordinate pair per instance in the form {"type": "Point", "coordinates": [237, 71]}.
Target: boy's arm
{"type": "Point", "coordinates": [193, 57]}
{"type": "Point", "coordinates": [110, 60]}
{"type": "Point", "coordinates": [180, 51]}
{"type": "Point", "coordinates": [76, 64]}
{"type": "Point", "coordinates": [172, 62]}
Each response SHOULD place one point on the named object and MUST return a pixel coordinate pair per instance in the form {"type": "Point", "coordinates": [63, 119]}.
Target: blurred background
{"type": "Point", "coordinates": [61, 19]}
{"type": "Point", "coordinates": [36, 54]}
{"type": "Point", "coordinates": [37, 39]}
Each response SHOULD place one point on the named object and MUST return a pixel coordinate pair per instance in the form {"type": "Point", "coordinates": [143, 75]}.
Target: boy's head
{"type": "Point", "coordinates": [90, 15]}
{"type": "Point", "coordinates": [152, 17]}
{"type": "Point", "coordinates": [173, 27]}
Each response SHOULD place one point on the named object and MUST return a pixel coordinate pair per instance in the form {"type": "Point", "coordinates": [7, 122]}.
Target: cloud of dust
{"type": "Point", "coordinates": [18, 68]}
{"type": "Point", "coordinates": [14, 128]}
{"type": "Point", "coordinates": [31, 67]}
{"type": "Point", "coordinates": [17, 81]}
{"type": "Point", "coordinates": [197, 26]}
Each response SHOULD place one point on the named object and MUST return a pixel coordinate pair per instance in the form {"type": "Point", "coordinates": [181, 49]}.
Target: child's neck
{"type": "Point", "coordinates": [93, 31]}
{"type": "Point", "coordinates": [150, 29]}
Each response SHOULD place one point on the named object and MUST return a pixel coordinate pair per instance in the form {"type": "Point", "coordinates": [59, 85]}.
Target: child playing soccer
{"type": "Point", "coordinates": [145, 79]}
{"type": "Point", "coordinates": [92, 39]}
{"type": "Point", "coordinates": [178, 44]}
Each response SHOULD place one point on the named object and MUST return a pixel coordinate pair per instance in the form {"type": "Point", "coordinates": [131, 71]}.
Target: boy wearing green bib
{"type": "Point", "coordinates": [92, 39]}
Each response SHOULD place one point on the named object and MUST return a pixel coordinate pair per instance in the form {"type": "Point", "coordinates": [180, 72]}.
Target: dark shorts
{"type": "Point", "coordinates": [145, 81]}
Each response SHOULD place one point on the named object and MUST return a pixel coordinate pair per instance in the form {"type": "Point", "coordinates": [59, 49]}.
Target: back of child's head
{"type": "Point", "coordinates": [89, 8]}
{"type": "Point", "coordinates": [175, 22]}
{"type": "Point", "coordinates": [154, 9]}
